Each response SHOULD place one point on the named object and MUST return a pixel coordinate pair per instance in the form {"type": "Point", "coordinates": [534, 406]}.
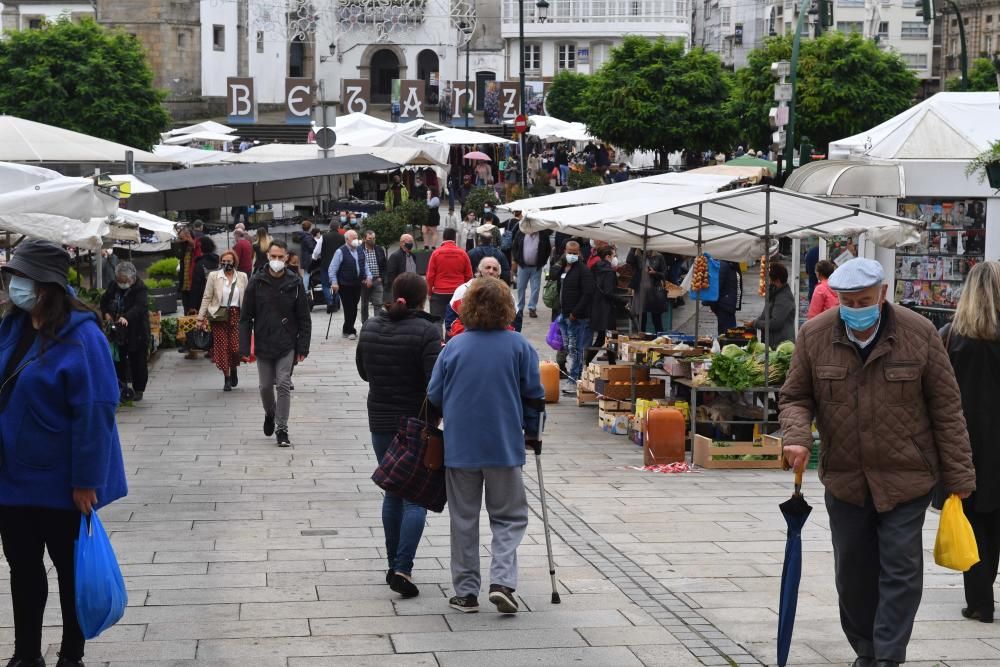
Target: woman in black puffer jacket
{"type": "Point", "coordinates": [395, 356]}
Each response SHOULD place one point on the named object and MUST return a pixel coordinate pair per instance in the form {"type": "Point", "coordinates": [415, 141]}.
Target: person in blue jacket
{"type": "Point", "coordinates": [486, 381]}
{"type": "Point", "coordinates": [60, 450]}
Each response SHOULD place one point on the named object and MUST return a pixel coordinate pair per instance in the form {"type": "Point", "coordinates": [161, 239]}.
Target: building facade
{"type": "Point", "coordinates": [31, 15]}
{"type": "Point", "coordinates": [981, 21]}
{"type": "Point", "coordinates": [730, 28]}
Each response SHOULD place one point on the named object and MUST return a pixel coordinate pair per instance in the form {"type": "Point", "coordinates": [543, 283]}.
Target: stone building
{"type": "Point", "coordinates": [981, 21]}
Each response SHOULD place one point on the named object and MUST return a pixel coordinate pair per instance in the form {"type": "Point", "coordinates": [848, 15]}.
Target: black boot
{"type": "Point", "coordinates": [227, 385]}
{"type": "Point", "coordinates": [69, 662]}
{"type": "Point", "coordinates": [234, 378]}
{"type": "Point", "coordinates": [25, 662]}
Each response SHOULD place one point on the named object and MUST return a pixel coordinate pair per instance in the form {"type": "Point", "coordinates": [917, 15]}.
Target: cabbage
{"type": "Point", "coordinates": [732, 351]}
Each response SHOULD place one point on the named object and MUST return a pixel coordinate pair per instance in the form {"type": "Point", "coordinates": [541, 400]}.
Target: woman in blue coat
{"type": "Point", "coordinates": [61, 453]}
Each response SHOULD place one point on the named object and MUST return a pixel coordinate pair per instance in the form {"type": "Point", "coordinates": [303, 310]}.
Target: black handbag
{"type": "Point", "coordinates": [199, 339]}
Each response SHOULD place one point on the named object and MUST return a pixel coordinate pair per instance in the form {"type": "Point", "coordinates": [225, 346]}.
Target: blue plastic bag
{"type": "Point", "coordinates": [100, 590]}
{"type": "Point", "coordinates": [711, 293]}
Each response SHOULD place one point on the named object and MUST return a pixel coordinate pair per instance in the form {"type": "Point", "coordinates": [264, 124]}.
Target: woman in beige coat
{"type": "Point", "coordinates": [224, 290]}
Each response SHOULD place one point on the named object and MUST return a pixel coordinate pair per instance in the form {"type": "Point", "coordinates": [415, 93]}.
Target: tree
{"type": "Point", "coordinates": [81, 77]}
{"type": "Point", "coordinates": [845, 86]}
{"type": "Point", "coordinates": [650, 95]}
{"type": "Point", "coordinates": [982, 77]}
{"type": "Point", "coordinates": [566, 95]}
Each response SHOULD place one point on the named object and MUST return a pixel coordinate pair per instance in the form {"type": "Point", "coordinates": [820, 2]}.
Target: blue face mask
{"type": "Point", "coordinates": [22, 292]}
{"type": "Point", "coordinates": [860, 319]}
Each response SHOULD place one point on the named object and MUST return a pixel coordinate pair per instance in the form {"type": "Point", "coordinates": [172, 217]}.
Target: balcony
{"type": "Point", "coordinates": [598, 17]}
{"type": "Point", "coordinates": [387, 12]}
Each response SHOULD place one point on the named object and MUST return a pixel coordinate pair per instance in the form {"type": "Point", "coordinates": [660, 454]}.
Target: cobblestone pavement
{"type": "Point", "coordinates": [237, 553]}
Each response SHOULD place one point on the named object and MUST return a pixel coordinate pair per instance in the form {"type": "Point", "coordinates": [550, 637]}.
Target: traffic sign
{"type": "Point", "coordinates": [326, 138]}
{"type": "Point", "coordinates": [521, 124]}
{"type": "Point", "coordinates": [782, 92]}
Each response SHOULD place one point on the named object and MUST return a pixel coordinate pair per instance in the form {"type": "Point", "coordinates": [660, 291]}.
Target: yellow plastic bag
{"type": "Point", "coordinates": [955, 547]}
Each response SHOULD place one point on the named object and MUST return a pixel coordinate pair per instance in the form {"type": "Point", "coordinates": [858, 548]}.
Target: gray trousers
{"type": "Point", "coordinates": [507, 507]}
{"type": "Point", "coordinates": [273, 373]}
{"type": "Point", "coordinates": [879, 565]}
{"type": "Point", "coordinates": [371, 296]}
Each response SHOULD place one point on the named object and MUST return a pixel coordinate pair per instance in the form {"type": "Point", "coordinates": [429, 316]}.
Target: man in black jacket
{"type": "Point", "coordinates": [324, 251]}
{"type": "Point", "coordinates": [307, 244]}
{"type": "Point", "coordinates": [275, 310]}
{"type": "Point", "coordinates": [375, 257]}
{"type": "Point", "coordinates": [530, 254]}
{"type": "Point", "coordinates": [575, 295]}
{"type": "Point", "coordinates": [398, 262]}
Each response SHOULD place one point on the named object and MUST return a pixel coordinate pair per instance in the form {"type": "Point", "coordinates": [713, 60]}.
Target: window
{"type": "Point", "coordinates": [988, 43]}
{"type": "Point", "coordinates": [182, 40]}
{"type": "Point", "coordinates": [532, 57]}
{"type": "Point", "coordinates": [916, 61]}
{"type": "Point", "coordinates": [989, 18]}
{"type": "Point", "coordinates": [914, 30]}
{"type": "Point", "coordinates": [599, 54]}
{"type": "Point", "coordinates": [911, 3]}
{"type": "Point", "coordinates": [850, 3]}
{"type": "Point", "coordinates": [260, 41]}
{"type": "Point", "coordinates": [883, 30]}
{"type": "Point", "coordinates": [725, 16]}
{"type": "Point", "coordinates": [848, 27]}
{"type": "Point", "coordinates": [219, 37]}
{"type": "Point", "coordinates": [954, 23]}
{"type": "Point", "coordinates": [35, 23]}
{"type": "Point", "coordinates": [567, 56]}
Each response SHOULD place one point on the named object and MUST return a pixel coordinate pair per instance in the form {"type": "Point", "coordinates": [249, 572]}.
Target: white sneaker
{"type": "Point", "coordinates": [569, 388]}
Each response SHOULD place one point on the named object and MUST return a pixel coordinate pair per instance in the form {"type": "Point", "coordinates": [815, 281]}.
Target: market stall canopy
{"type": "Point", "coordinates": [191, 157]}
{"type": "Point", "coordinates": [551, 129]}
{"type": "Point", "coordinates": [946, 126]}
{"type": "Point", "coordinates": [750, 161]}
{"type": "Point", "coordinates": [181, 139]}
{"type": "Point", "coordinates": [730, 225]}
{"type": "Point", "coordinates": [136, 185]}
{"type": "Point", "coordinates": [459, 137]}
{"type": "Point", "coordinates": [649, 186]}
{"type": "Point", "coordinates": [207, 126]}
{"type": "Point", "coordinates": [427, 155]}
{"type": "Point", "coordinates": [162, 227]}
{"type": "Point", "coordinates": [363, 130]}
{"type": "Point", "coordinates": [27, 141]}
{"type": "Point", "coordinates": [849, 178]}
{"type": "Point", "coordinates": [745, 173]}
{"type": "Point", "coordinates": [43, 204]}
{"type": "Point", "coordinates": [244, 184]}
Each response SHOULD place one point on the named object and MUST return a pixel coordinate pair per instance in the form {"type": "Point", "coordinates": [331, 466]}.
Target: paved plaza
{"type": "Point", "coordinates": [240, 554]}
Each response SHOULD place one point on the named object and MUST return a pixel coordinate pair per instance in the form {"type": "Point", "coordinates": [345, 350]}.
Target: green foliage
{"type": "Point", "coordinates": [168, 332]}
{"type": "Point", "coordinates": [845, 86]}
{"type": "Point", "coordinates": [650, 95]}
{"type": "Point", "coordinates": [478, 198]}
{"type": "Point", "coordinates": [540, 186]}
{"type": "Point", "coordinates": [578, 180]}
{"type": "Point", "coordinates": [165, 268]}
{"type": "Point", "coordinates": [82, 77]}
{"type": "Point", "coordinates": [90, 295]}
{"type": "Point", "coordinates": [565, 96]}
{"type": "Point", "coordinates": [982, 77]}
{"type": "Point", "coordinates": [989, 157]}
{"type": "Point", "coordinates": [159, 283]}
{"type": "Point", "coordinates": [387, 225]}
{"type": "Point", "coordinates": [73, 277]}
{"type": "Point", "coordinates": [413, 213]}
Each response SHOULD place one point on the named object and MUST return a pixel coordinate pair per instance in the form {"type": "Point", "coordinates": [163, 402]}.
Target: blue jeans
{"type": "Point", "coordinates": [525, 275]}
{"type": "Point", "coordinates": [402, 521]}
{"type": "Point", "coordinates": [576, 338]}
{"type": "Point", "coordinates": [324, 281]}
{"type": "Point", "coordinates": [563, 174]}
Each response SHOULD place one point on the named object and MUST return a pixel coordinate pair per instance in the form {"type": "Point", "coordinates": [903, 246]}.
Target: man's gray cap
{"type": "Point", "coordinates": [857, 274]}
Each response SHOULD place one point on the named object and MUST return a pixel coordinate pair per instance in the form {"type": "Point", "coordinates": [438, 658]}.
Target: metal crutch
{"type": "Point", "coordinates": [536, 445]}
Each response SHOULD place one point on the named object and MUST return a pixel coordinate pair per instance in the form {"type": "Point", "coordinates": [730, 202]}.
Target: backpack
{"type": "Point", "coordinates": [550, 295]}
{"type": "Point", "coordinates": [507, 239]}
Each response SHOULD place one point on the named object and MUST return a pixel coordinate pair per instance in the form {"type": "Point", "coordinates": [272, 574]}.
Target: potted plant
{"type": "Point", "coordinates": [162, 285]}
{"type": "Point", "coordinates": [987, 165]}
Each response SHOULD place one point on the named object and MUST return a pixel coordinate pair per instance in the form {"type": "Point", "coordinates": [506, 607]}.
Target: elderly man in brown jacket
{"type": "Point", "coordinates": [879, 385]}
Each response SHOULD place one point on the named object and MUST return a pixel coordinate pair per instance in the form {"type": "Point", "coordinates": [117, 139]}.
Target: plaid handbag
{"type": "Point", "coordinates": [404, 470]}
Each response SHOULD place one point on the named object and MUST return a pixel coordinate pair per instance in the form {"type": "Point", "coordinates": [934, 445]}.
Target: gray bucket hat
{"type": "Point", "coordinates": [42, 261]}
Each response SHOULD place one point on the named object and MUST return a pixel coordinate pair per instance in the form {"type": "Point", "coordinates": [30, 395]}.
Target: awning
{"type": "Point", "coordinates": [459, 137]}
{"type": "Point", "coordinates": [244, 184]}
{"type": "Point", "coordinates": [179, 139]}
{"type": "Point", "coordinates": [847, 178]}
{"type": "Point", "coordinates": [735, 172]}
{"type": "Point", "coordinates": [427, 155]}
{"type": "Point", "coordinates": [728, 225]}
{"type": "Point", "coordinates": [27, 141]}
{"type": "Point", "coordinates": [207, 126]}
{"type": "Point", "coordinates": [191, 157]}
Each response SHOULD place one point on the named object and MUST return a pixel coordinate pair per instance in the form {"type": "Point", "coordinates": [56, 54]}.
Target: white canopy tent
{"type": "Point", "coordinates": [44, 204]}
{"type": "Point", "coordinates": [284, 152]}
{"type": "Point", "coordinates": [190, 157]}
{"type": "Point", "coordinates": [551, 129]}
{"type": "Point", "coordinates": [207, 126]}
{"type": "Point", "coordinates": [183, 139]}
{"type": "Point", "coordinates": [459, 137]}
{"type": "Point", "coordinates": [27, 141]}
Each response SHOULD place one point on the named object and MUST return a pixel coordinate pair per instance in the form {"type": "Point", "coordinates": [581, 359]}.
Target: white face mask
{"type": "Point", "coordinates": [276, 265]}
{"type": "Point", "coordinates": [614, 262]}
{"type": "Point", "coordinates": [124, 285]}
{"type": "Point", "coordinates": [355, 243]}
{"type": "Point", "coordinates": [572, 259]}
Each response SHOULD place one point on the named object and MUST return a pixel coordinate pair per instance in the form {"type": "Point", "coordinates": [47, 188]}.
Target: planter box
{"type": "Point", "coordinates": [993, 175]}
{"type": "Point", "coordinates": [164, 300]}
{"type": "Point", "coordinates": [706, 453]}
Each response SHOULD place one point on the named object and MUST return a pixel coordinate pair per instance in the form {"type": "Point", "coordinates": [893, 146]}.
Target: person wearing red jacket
{"type": "Point", "coordinates": [823, 298]}
{"type": "Point", "coordinates": [449, 267]}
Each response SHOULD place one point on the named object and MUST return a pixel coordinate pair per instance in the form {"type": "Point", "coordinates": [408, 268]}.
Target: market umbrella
{"type": "Point", "coordinates": [795, 510]}
{"type": "Point", "coordinates": [748, 161]}
{"type": "Point", "coordinates": [477, 155]}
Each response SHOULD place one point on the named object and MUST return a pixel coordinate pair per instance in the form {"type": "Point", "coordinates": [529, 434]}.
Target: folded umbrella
{"type": "Point", "coordinates": [795, 510]}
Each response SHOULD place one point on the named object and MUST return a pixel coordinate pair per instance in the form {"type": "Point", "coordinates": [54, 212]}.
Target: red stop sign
{"type": "Point", "coordinates": [521, 124]}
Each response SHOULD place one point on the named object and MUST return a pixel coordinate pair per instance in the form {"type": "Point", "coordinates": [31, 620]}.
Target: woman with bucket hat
{"type": "Point", "coordinates": [61, 453]}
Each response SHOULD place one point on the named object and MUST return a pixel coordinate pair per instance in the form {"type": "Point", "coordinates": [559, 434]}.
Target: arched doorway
{"type": "Point", "coordinates": [427, 64]}
{"type": "Point", "coordinates": [384, 68]}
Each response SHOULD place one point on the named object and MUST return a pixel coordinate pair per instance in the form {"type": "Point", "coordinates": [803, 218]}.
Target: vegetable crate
{"type": "Point", "coordinates": [708, 454]}
{"type": "Point", "coordinates": [584, 397]}
{"type": "Point", "coordinates": [623, 390]}
{"type": "Point", "coordinates": [184, 325]}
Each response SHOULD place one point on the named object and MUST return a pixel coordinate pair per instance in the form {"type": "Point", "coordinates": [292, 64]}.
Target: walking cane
{"type": "Point", "coordinates": [536, 445]}
{"type": "Point", "coordinates": [328, 323]}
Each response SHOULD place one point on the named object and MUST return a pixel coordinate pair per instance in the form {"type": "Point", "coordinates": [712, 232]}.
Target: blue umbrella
{"type": "Point", "coordinates": [795, 510]}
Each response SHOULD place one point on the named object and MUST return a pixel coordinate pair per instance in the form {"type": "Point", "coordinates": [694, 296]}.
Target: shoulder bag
{"type": "Point", "coordinates": [413, 466]}
{"type": "Point", "coordinates": [221, 313]}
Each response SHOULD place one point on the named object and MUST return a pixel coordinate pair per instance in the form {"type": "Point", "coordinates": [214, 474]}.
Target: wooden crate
{"type": "Point", "coordinates": [584, 397]}
{"type": "Point", "coordinates": [614, 405]}
{"type": "Point", "coordinates": [623, 392]}
{"type": "Point", "coordinates": [705, 452]}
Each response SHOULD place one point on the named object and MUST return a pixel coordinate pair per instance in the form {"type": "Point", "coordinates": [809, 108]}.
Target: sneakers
{"type": "Point", "coordinates": [532, 313]}
{"type": "Point", "coordinates": [137, 396]}
{"type": "Point", "coordinates": [69, 662]}
{"type": "Point", "coordinates": [503, 598]}
{"type": "Point", "coordinates": [282, 438]}
{"type": "Point", "coordinates": [389, 574]}
{"type": "Point", "coordinates": [352, 336]}
{"type": "Point", "coordinates": [404, 586]}
{"type": "Point", "coordinates": [467, 604]}
{"type": "Point", "coordinates": [25, 662]}
{"type": "Point", "coordinates": [268, 425]}
{"type": "Point", "coordinates": [330, 308]}
{"type": "Point", "coordinates": [569, 388]}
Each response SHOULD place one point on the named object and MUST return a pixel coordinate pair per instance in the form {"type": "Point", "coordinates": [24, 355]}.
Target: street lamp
{"type": "Point", "coordinates": [543, 10]}
{"type": "Point", "coordinates": [466, 30]}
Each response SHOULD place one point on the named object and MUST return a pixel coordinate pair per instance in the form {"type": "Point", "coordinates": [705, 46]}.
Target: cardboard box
{"type": "Point", "coordinates": [616, 423]}
{"type": "Point", "coordinates": [614, 405]}
{"type": "Point", "coordinates": [623, 392]}
{"type": "Point", "coordinates": [707, 454]}
{"type": "Point", "coordinates": [678, 368]}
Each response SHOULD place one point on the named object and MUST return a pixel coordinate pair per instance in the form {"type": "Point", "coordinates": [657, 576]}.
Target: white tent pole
{"type": "Point", "coordinates": [697, 299]}
{"type": "Point", "coordinates": [796, 281]}
{"type": "Point", "coordinates": [767, 294]}
{"type": "Point", "coordinates": [642, 279]}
